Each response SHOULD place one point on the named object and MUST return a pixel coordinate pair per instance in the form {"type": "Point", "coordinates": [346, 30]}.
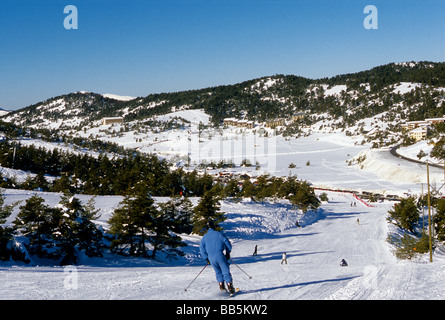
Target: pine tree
{"type": "Point", "coordinates": [406, 247]}
{"type": "Point", "coordinates": [305, 198]}
{"type": "Point", "coordinates": [59, 232]}
{"type": "Point", "coordinates": [138, 223]}
{"type": "Point", "coordinates": [79, 232]}
{"type": "Point", "coordinates": [207, 210]}
{"type": "Point", "coordinates": [231, 189]}
{"type": "Point", "coordinates": [439, 219]}
{"type": "Point", "coordinates": [130, 224]}
{"type": "Point", "coordinates": [178, 212]}
{"type": "Point", "coordinates": [63, 184]}
{"type": "Point", "coordinates": [405, 214]}
{"type": "Point", "coordinates": [248, 190]}
{"type": "Point", "coordinates": [3, 182]}
{"type": "Point", "coordinates": [37, 221]}
{"type": "Point", "coordinates": [263, 188]}
{"type": "Point", "coordinates": [6, 233]}
{"type": "Point", "coordinates": [161, 238]}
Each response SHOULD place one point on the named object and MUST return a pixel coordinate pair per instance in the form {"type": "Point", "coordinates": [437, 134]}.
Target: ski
{"type": "Point", "coordinates": [235, 293]}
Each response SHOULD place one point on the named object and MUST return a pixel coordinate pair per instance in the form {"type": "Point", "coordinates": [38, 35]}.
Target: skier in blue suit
{"type": "Point", "coordinates": [212, 247]}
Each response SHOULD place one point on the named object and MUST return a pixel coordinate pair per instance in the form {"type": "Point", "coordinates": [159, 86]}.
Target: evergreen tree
{"type": "Point", "coordinates": [231, 189]}
{"type": "Point", "coordinates": [77, 231]}
{"type": "Point", "coordinates": [6, 233]}
{"type": "Point", "coordinates": [130, 224]}
{"type": "Point", "coordinates": [288, 187]}
{"type": "Point", "coordinates": [172, 183]}
{"type": "Point", "coordinates": [63, 184]}
{"type": "Point", "coordinates": [178, 212]}
{"type": "Point", "coordinates": [248, 190]}
{"type": "Point", "coordinates": [37, 222]}
{"type": "Point", "coordinates": [161, 238]}
{"type": "Point", "coordinates": [207, 210]}
{"type": "Point", "coordinates": [406, 247]}
{"type": "Point", "coordinates": [59, 232]}
{"type": "Point", "coordinates": [438, 150]}
{"type": "Point", "coordinates": [264, 188]}
{"type": "Point", "coordinates": [138, 223]}
{"type": "Point", "coordinates": [439, 219]}
{"type": "Point", "coordinates": [305, 197]}
{"type": "Point", "coordinates": [3, 181]}
{"type": "Point", "coordinates": [405, 214]}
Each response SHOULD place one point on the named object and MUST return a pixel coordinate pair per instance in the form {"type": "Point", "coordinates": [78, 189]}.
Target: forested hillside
{"type": "Point", "coordinates": [365, 93]}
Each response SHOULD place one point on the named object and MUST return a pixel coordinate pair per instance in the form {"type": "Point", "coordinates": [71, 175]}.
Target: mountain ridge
{"type": "Point", "coordinates": [259, 99]}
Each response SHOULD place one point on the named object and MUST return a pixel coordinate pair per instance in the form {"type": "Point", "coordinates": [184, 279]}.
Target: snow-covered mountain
{"type": "Point", "coordinates": [118, 97]}
{"type": "Point", "coordinates": [3, 112]}
{"type": "Point", "coordinates": [394, 91]}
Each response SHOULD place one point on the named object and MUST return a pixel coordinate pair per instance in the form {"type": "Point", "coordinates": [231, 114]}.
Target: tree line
{"type": "Point", "coordinates": [67, 231]}
{"type": "Point", "coordinates": [138, 227]}
{"type": "Point", "coordinates": [102, 175]}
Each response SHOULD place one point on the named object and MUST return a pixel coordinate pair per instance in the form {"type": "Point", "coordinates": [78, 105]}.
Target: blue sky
{"type": "Point", "coordinates": [138, 47]}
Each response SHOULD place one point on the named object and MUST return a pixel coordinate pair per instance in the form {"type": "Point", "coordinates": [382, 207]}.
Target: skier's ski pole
{"type": "Point", "coordinates": [250, 277]}
{"type": "Point", "coordinates": [196, 277]}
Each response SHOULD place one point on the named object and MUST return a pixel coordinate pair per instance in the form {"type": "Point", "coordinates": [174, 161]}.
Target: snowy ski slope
{"type": "Point", "coordinates": [313, 252]}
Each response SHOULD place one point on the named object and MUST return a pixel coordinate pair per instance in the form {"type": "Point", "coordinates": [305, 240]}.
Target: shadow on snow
{"type": "Point", "coordinates": [300, 284]}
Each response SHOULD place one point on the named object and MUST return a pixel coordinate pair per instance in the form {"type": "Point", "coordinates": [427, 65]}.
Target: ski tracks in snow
{"type": "Point", "coordinates": [314, 253]}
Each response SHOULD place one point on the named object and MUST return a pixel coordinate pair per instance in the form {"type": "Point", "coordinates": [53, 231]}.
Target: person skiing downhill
{"type": "Point", "coordinates": [212, 247]}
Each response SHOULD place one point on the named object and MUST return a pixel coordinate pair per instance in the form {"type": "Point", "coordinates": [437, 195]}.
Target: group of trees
{"type": "Point", "coordinates": [137, 227]}
{"type": "Point", "coordinates": [87, 105]}
{"type": "Point", "coordinates": [407, 216]}
{"type": "Point", "coordinates": [60, 233]}
{"type": "Point", "coordinates": [249, 98]}
{"type": "Point", "coordinates": [429, 73]}
{"type": "Point", "coordinates": [7, 250]}
{"type": "Point", "coordinates": [85, 174]}
{"type": "Point", "coordinates": [299, 193]}
{"type": "Point", "coordinates": [139, 224]}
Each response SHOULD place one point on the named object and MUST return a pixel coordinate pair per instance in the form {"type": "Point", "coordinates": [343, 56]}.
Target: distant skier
{"type": "Point", "coordinates": [284, 258]}
{"type": "Point", "coordinates": [255, 252]}
{"type": "Point", "coordinates": [343, 263]}
{"type": "Point", "coordinates": [358, 221]}
{"type": "Point", "coordinates": [212, 247]}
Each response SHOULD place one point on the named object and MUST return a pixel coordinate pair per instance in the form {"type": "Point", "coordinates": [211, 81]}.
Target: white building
{"type": "Point", "coordinates": [111, 120]}
{"type": "Point", "coordinates": [419, 133]}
